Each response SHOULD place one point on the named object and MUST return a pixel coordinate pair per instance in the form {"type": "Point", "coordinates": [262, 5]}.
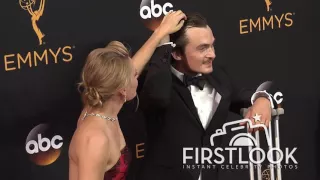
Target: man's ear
{"type": "Point", "coordinates": [176, 55]}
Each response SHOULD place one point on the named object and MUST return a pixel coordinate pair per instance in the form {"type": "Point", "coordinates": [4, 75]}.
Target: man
{"type": "Point", "coordinates": [185, 99]}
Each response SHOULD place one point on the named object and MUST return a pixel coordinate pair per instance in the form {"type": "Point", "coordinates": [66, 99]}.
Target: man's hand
{"type": "Point", "coordinates": [171, 23]}
{"type": "Point", "coordinates": [259, 113]}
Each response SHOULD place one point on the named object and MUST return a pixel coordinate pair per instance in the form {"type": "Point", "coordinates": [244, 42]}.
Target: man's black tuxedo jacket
{"type": "Point", "coordinates": [173, 122]}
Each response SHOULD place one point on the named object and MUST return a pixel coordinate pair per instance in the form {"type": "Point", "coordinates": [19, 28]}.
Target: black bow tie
{"type": "Point", "coordinates": [198, 81]}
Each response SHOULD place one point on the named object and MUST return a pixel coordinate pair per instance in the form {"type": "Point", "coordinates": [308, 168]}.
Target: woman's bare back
{"type": "Point", "coordinates": [105, 130]}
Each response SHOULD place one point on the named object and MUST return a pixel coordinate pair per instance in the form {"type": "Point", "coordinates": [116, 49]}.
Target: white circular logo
{"type": "Point", "coordinates": [152, 13]}
{"type": "Point", "coordinates": [43, 145]}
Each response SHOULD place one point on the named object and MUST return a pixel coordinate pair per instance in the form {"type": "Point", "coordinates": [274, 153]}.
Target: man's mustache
{"type": "Point", "coordinates": [207, 61]}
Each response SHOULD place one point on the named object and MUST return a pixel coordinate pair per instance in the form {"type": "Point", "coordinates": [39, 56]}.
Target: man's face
{"type": "Point", "coordinates": [199, 51]}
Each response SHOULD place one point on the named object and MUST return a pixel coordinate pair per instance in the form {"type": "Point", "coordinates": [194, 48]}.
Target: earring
{"type": "Point", "coordinates": [125, 98]}
{"type": "Point", "coordinates": [137, 104]}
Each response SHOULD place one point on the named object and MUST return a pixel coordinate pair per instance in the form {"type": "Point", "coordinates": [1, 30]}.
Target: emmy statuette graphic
{"type": "Point", "coordinates": [28, 5]}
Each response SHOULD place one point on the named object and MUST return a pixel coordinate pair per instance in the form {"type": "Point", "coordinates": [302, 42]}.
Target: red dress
{"type": "Point", "coordinates": [119, 171]}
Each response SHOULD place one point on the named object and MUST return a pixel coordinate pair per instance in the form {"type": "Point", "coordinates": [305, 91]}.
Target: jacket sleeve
{"type": "Point", "coordinates": [156, 90]}
{"type": "Point", "coordinates": [244, 97]}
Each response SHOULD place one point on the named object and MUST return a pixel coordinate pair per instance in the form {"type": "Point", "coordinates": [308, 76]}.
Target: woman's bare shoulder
{"type": "Point", "coordinates": [94, 129]}
{"type": "Point", "coordinates": [91, 133]}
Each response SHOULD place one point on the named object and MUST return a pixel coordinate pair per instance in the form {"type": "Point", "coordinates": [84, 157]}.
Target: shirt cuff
{"type": "Point", "coordinates": [171, 43]}
{"type": "Point", "coordinates": [258, 94]}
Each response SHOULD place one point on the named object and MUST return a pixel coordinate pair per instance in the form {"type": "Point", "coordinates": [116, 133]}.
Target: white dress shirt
{"type": "Point", "coordinates": [206, 101]}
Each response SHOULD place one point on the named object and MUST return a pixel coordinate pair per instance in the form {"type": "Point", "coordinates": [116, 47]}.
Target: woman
{"type": "Point", "coordinates": [109, 79]}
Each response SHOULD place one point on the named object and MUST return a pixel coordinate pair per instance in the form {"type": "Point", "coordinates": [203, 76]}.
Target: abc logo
{"type": "Point", "coordinates": [43, 146]}
{"type": "Point", "coordinates": [268, 86]}
{"type": "Point", "coordinates": [278, 97]}
{"type": "Point", "coordinates": [152, 13]}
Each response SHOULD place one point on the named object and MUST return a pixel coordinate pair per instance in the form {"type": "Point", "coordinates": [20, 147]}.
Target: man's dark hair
{"type": "Point", "coordinates": [180, 38]}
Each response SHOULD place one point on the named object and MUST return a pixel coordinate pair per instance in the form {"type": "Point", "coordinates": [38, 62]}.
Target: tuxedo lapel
{"type": "Point", "coordinates": [215, 84]}
{"type": "Point", "coordinates": [185, 95]}
{"type": "Point", "coordinates": [222, 93]}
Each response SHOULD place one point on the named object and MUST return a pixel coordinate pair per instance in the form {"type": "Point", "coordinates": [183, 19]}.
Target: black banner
{"type": "Point", "coordinates": [44, 44]}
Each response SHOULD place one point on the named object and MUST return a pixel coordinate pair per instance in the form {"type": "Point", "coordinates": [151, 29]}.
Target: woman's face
{"type": "Point", "coordinates": [131, 89]}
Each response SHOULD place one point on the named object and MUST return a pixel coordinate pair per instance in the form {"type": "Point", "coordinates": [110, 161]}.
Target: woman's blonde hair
{"type": "Point", "coordinates": [106, 71]}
